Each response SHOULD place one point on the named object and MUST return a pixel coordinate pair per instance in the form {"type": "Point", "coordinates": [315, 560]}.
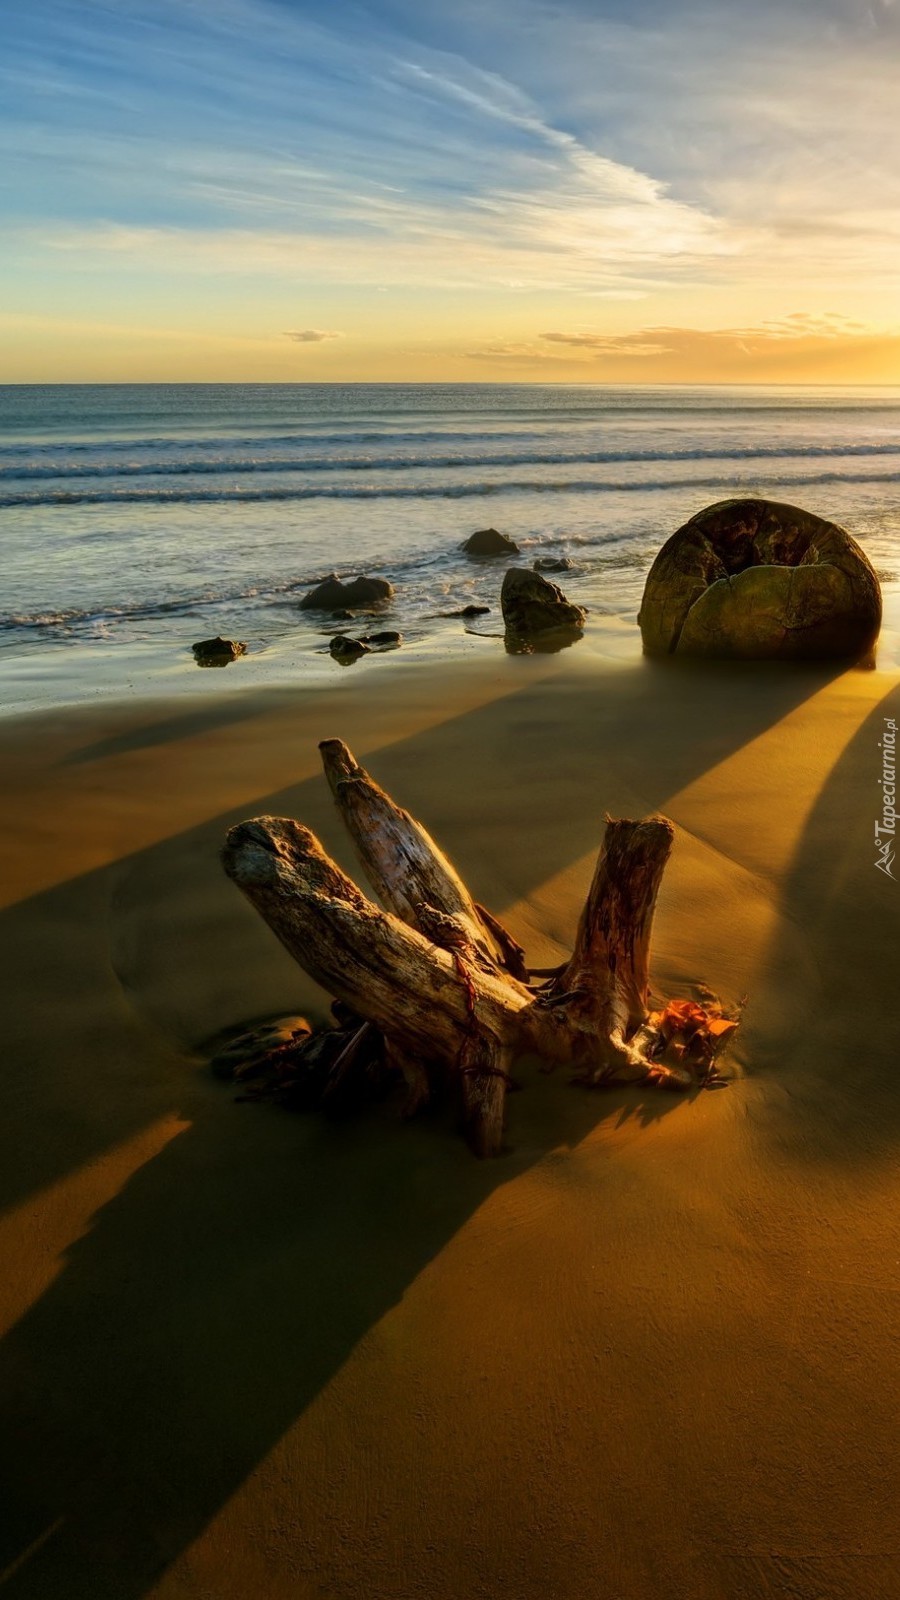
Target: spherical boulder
{"type": "Point", "coordinates": [756, 579]}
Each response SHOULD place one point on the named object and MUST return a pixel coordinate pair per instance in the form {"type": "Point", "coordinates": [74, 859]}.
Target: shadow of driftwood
{"type": "Point", "coordinates": [207, 1306]}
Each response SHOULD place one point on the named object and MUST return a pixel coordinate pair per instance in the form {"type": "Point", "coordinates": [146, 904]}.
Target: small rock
{"type": "Point", "coordinates": [532, 606]}
{"type": "Point", "coordinates": [241, 1051]}
{"type": "Point", "coordinates": [218, 652]}
{"type": "Point", "coordinates": [488, 542]}
{"type": "Point", "coordinates": [553, 564]}
{"type": "Point", "coordinates": [389, 636]}
{"type": "Point", "coordinates": [342, 616]}
{"type": "Point", "coordinates": [345, 649]}
{"type": "Point", "coordinates": [334, 595]}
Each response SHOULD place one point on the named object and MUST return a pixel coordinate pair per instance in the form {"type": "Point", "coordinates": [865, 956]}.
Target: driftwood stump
{"type": "Point", "coordinates": [436, 976]}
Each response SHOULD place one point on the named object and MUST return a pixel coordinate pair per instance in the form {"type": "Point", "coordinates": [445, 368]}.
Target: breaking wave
{"type": "Point", "coordinates": [237, 494]}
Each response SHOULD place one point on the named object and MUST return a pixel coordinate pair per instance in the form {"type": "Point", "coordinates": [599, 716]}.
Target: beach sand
{"type": "Point", "coordinates": [651, 1351]}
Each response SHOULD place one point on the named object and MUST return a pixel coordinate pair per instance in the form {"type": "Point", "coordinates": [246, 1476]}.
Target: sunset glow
{"type": "Point", "coordinates": [279, 190]}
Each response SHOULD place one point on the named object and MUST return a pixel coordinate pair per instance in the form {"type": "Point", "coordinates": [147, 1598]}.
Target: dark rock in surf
{"type": "Point", "coordinates": [333, 595]}
{"type": "Point", "coordinates": [218, 652]}
{"type": "Point", "coordinates": [467, 611]}
{"type": "Point", "coordinates": [553, 564]}
{"type": "Point", "coordinates": [532, 607]}
{"type": "Point", "coordinates": [388, 637]}
{"type": "Point", "coordinates": [757, 579]}
{"type": "Point", "coordinates": [488, 542]}
{"type": "Point", "coordinates": [345, 649]}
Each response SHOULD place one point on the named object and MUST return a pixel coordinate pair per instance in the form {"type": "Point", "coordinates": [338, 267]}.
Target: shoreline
{"type": "Point", "coordinates": [79, 675]}
{"type": "Point", "coordinates": [246, 1352]}
{"type": "Point", "coordinates": [205, 516]}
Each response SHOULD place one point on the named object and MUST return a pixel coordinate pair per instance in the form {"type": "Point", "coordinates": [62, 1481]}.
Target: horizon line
{"type": "Point", "coordinates": [431, 383]}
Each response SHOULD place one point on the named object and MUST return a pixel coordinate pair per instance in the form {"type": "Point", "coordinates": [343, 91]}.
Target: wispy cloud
{"type": "Point", "coordinates": [797, 325]}
{"type": "Point", "coordinates": [188, 156]}
{"type": "Point", "coordinates": [311, 335]}
{"type": "Point", "coordinates": [358, 158]}
{"type": "Point", "coordinates": [800, 345]}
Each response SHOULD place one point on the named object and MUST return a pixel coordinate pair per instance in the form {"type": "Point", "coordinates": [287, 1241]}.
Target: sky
{"type": "Point", "coordinates": [493, 190]}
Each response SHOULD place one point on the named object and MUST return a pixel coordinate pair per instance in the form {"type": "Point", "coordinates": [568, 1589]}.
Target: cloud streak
{"type": "Point", "coordinates": [800, 347]}
{"type": "Point", "coordinates": [797, 326]}
{"type": "Point", "coordinates": [497, 163]}
{"type": "Point", "coordinates": [311, 335]}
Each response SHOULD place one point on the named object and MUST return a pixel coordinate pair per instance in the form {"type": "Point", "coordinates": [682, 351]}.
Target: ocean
{"type": "Point", "coordinates": [138, 518]}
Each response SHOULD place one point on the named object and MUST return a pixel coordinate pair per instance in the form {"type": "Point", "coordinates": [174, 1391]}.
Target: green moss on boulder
{"type": "Point", "coordinates": [757, 579]}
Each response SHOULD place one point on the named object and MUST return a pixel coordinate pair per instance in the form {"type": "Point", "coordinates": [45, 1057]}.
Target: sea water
{"type": "Point", "coordinates": [138, 518]}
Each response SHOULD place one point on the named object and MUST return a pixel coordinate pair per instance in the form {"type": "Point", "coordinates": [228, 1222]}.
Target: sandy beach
{"type": "Point", "coordinates": [651, 1351]}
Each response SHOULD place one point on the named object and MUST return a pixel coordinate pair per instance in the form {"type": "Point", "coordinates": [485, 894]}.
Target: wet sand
{"type": "Point", "coordinates": [651, 1351]}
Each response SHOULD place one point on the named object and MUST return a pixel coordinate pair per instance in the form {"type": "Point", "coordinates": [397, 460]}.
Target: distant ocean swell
{"type": "Point", "coordinates": [202, 466]}
{"type": "Point", "coordinates": [165, 495]}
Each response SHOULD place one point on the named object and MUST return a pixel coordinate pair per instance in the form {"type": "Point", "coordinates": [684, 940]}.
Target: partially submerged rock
{"type": "Point", "coordinates": [553, 564]}
{"type": "Point", "coordinates": [488, 542]}
{"type": "Point", "coordinates": [755, 579]}
{"type": "Point", "coordinates": [534, 608]}
{"type": "Point", "coordinates": [218, 652]}
{"type": "Point", "coordinates": [467, 611]}
{"type": "Point", "coordinates": [345, 649]}
{"type": "Point", "coordinates": [334, 595]}
{"type": "Point", "coordinates": [387, 637]}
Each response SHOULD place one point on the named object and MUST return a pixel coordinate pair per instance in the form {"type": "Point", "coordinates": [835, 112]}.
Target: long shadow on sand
{"type": "Point", "coordinates": [175, 725]}
{"type": "Point", "coordinates": [231, 1277]}
{"type": "Point", "coordinates": [850, 912]}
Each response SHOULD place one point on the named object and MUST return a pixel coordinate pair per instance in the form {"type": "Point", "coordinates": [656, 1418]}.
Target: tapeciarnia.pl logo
{"type": "Point", "coordinates": [885, 830]}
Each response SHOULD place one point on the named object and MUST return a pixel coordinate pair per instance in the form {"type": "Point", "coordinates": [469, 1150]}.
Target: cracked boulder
{"type": "Point", "coordinates": [757, 579]}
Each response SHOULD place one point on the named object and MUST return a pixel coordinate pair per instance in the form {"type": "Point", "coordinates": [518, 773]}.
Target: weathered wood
{"type": "Point", "coordinates": [435, 974]}
{"type": "Point", "coordinates": [484, 1066]}
{"type": "Point", "coordinates": [612, 945]}
{"type": "Point", "coordinates": [411, 1066]}
{"type": "Point", "coordinates": [599, 998]}
{"type": "Point", "coordinates": [404, 865]}
{"type": "Point", "coordinates": [430, 998]}
{"type": "Point", "coordinates": [354, 1061]}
